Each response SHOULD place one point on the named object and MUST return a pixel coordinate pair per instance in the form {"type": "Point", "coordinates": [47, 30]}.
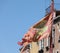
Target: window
{"type": "Point", "coordinates": [53, 36]}
{"type": "Point", "coordinates": [59, 39]}
{"type": "Point", "coordinates": [41, 44]}
{"type": "Point", "coordinates": [57, 51]}
{"type": "Point", "coordinates": [30, 45]}
{"type": "Point", "coordinates": [48, 43]}
{"type": "Point", "coordinates": [41, 51]}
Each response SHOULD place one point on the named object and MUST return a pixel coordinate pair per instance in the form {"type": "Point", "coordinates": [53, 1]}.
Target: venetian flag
{"type": "Point", "coordinates": [37, 34]}
{"type": "Point", "coordinates": [45, 28]}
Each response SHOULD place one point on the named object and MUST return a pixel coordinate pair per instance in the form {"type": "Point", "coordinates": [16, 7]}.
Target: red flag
{"type": "Point", "coordinates": [42, 32]}
{"type": "Point", "coordinates": [47, 30]}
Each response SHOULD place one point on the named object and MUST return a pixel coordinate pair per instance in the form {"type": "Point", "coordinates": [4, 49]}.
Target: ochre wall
{"type": "Point", "coordinates": [34, 47]}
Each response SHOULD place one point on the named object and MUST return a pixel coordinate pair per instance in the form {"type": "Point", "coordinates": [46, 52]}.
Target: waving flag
{"type": "Point", "coordinates": [45, 30]}
{"type": "Point", "coordinates": [36, 34]}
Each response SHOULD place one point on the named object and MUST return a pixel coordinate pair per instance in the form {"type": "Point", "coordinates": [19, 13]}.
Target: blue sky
{"type": "Point", "coordinates": [16, 17]}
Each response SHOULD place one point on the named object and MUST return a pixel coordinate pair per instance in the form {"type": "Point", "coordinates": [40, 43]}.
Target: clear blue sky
{"type": "Point", "coordinates": [16, 17]}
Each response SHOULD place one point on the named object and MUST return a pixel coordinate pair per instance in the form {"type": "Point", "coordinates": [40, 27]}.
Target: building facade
{"type": "Point", "coordinates": [43, 46]}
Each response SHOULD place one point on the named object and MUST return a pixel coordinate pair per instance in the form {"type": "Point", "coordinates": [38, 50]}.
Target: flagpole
{"type": "Point", "coordinates": [51, 10]}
